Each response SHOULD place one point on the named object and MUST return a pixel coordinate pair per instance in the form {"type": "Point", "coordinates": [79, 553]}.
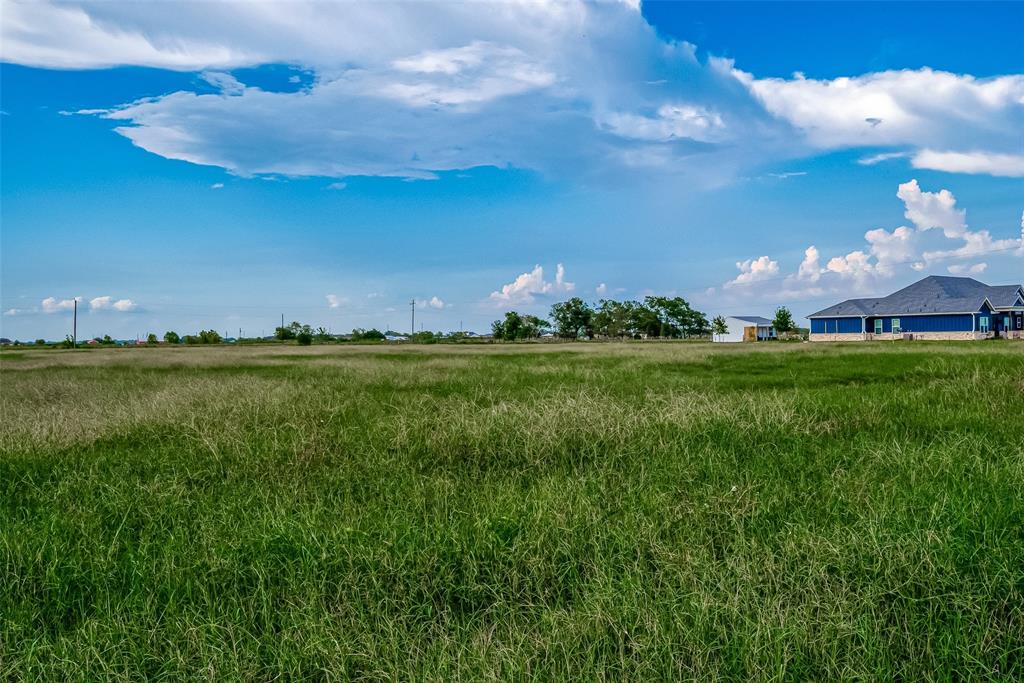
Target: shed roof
{"type": "Point", "coordinates": [755, 319]}
{"type": "Point", "coordinates": [934, 294]}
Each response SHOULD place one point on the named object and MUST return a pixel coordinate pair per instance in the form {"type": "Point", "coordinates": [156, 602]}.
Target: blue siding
{"type": "Point", "coordinates": [834, 325]}
{"type": "Point", "coordinates": [908, 323]}
{"type": "Point", "coordinates": [926, 323]}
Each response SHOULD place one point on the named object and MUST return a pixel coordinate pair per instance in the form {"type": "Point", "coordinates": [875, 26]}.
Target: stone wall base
{"type": "Point", "coordinates": [836, 336]}
{"type": "Point", "coordinates": [923, 336]}
{"type": "Point", "coordinates": [951, 336]}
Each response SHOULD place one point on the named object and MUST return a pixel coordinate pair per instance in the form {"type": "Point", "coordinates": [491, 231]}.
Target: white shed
{"type": "Point", "coordinates": [746, 328]}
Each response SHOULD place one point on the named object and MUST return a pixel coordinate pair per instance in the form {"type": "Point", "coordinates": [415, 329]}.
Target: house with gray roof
{"type": "Point", "coordinates": [746, 328]}
{"type": "Point", "coordinates": [936, 307]}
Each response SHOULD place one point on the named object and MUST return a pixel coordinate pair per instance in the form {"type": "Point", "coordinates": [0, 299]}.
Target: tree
{"type": "Point", "coordinates": [718, 326]}
{"type": "Point", "coordinates": [367, 335]}
{"type": "Point", "coordinates": [107, 340]}
{"type": "Point", "coordinates": [209, 337]}
{"type": "Point", "coordinates": [171, 337]}
{"type": "Point", "coordinates": [515, 326]}
{"type": "Point", "coordinates": [322, 334]}
{"type": "Point", "coordinates": [615, 318]}
{"type": "Point", "coordinates": [68, 343]}
{"type": "Point", "coordinates": [679, 319]}
{"type": "Point", "coordinates": [573, 319]}
{"type": "Point", "coordinates": [304, 338]}
{"type": "Point", "coordinates": [645, 321]}
{"type": "Point", "coordinates": [287, 332]}
{"type": "Point", "coordinates": [151, 338]}
{"type": "Point", "coordinates": [40, 342]}
{"type": "Point", "coordinates": [534, 327]}
{"type": "Point", "coordinates": [783, 320]}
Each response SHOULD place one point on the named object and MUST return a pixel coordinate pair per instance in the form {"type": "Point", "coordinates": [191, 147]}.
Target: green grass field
{"type": "Point", "coordinates": [585, 512]}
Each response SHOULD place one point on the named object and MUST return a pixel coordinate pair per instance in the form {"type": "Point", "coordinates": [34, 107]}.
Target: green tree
{"type": "Point", "coordinates": [515, 326]}
{"type": "Point", "coordinates": [719, 326]}
{"type": "Point", "coordinates": [534, 327]}
{"type": "Point", "coordinates": [573, 319]}
{"type": "Point", "coordinates": [783, 321]}
{"type": "Point", "coordinates": [40, 342]}
{"type": "Point", "coordinates": [304, 338]}
{"type": "Point", "coordinates": [151, 338]}
{"type": "Point", "coordinates": [209, 337]}
{"type": "Point", "coordinates": [171, 337]}
{"type": "Point", "coordinates": [106, 340]}
{"type": "Point", "coordinates": [678, 318]}
{"type": "Point", "coordinates": [645, 321]}
{"type": "Point", "coordinates": [367, 335]}
{"type": "Point", "coordinates": [288, 331]}
{"type": "Point", "coordinates": [68, 343]}
{"type": "Point", "coordinates": [615, 319]}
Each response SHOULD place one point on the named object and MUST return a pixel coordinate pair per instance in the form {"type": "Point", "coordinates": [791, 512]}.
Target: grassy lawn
{"type": "Point", "coordinates": [585, 512]}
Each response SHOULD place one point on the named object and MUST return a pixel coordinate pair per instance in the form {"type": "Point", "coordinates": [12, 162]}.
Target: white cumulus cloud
{"type": "Point", "coordinates": [53, 305]}
{"type": "Point", "coordinates": [124, 305]}
{"type": "Point", "coordinates": [754, 270]}
{"type": "Point", "coordinates": [936, 219]}
{"type": "Point", "coordinates": [572, 89]}
{"type": "Point", "coordinates": [432, 302]}
{"type": "Point", "coordinates": [531, 284]}
{"type": "Point", "coordinates": [102, 303]}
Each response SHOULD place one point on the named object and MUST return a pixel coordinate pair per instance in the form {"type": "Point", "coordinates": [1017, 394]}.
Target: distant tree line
{"type": "Point", "coordinates": [654, 317]}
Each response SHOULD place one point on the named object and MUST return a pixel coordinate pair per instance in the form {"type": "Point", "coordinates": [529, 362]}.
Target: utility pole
{"type": "Point", "coordinates": [74, 326]}
{"type": "Point", "coordinates": [412, 329]}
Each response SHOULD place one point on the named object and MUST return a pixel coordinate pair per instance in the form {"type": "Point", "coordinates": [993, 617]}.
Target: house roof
{"type": "Point", "coordinates": [934, 294]}
{"type": "Point", "coordinates": [755, 319]}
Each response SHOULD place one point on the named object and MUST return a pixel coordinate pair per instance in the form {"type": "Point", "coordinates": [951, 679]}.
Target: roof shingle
{"type": "Point", "coordinates": [934, 294]}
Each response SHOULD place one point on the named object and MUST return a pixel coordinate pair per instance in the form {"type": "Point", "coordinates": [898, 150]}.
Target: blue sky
{"type": "Point", "coordinates": [209, 165]}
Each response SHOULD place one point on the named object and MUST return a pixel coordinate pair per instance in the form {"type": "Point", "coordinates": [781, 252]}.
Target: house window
{"type": "Point", "coordinates": [878, 326]}
{"type": "Point", "coordinates": [1020, 321]}
{"type": "Point", "coordinates": [895, 325]}
{"type": "Point", "coordinates": [1006, 322]}
{"type": "Point", "coordinates": [983, 323]}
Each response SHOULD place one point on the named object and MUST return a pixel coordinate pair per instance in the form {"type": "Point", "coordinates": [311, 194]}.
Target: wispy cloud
{"type": "Point", "coordinates": [984, 163]}
{"type": "Point", "coordinates": [335, 301]}
{"type": "Point", "coordinates": [879, 158]}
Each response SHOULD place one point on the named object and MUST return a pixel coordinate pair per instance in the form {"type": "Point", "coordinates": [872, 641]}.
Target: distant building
{"type": "Point", "coordinates": [936, 307]}
{"type": "Point", "coordinates": [746, 328]}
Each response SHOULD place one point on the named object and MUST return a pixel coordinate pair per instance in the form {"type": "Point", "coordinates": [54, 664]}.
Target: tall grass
{"type": "Point", "coordinates": [593, 512]}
